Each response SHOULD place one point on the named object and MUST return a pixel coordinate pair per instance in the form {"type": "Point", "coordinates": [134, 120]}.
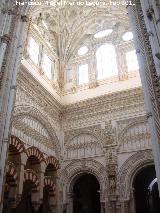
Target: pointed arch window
{"type": "Point", "coordinates": [106, 61]}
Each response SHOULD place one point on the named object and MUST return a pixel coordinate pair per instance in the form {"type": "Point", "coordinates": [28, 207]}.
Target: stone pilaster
{"type": "Point", "coordinates": [150, 80]}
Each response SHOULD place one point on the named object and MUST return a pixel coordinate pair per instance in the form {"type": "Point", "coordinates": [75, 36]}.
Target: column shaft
{"type": "Point", "coordinates": [10, 69]}
{"type": "Point", "coordinates": [149, 79]}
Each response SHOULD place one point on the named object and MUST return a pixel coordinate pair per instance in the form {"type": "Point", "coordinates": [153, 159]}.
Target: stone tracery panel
{"type": "Point", "coordinates": [136, 136]}
{"type": "Point", "coordinates": [83, 145]}
{"type": "Point", "coordinates": [29, 128]}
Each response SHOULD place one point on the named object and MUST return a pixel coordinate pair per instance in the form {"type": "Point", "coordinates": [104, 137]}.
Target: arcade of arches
{"type": "Point", "coordinates": [79, 106]}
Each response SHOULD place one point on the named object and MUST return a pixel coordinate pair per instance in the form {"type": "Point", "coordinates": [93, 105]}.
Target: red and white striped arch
{"type": "Point", "coordinates": [33, 151]}
{"type": "Point", "coordinates": [52, 160]}
{"type": "Point", "coordinates": [48, 182]}
{"type": "Point", "coordinates": [16, 143]}
{"type": "Point", "coordinates": [30, 175]}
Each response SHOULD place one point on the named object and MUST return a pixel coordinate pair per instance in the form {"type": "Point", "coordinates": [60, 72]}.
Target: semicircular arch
{"type": "Point", "coordinates": [78, 167]}
{"type": "Point", "coordinates": [129, 169]}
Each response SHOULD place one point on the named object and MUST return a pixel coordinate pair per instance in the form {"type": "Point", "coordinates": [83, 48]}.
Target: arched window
{"type": "Point", "coordinates": [83, 74]}
{"type": "Point", "coordinates": [33, 50]}
{"type": "Point", "coordinates": [132, 62]}
{"type": "Point", "coordinates": [106, 61]}
{"type": "Point", "coordinates": [47, 66]}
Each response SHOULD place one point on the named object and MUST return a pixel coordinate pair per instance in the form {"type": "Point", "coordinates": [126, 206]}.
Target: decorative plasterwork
{"type": "Point", "coordinates": [82, 146]}
{"type": "Point", "coordinates": [63, 27]}
{"type": "Point", "coordinates": [69, 22]}
{"type": "Point", "coordinates": [128, 171]}
{"type": "Point", "coordinates": [20, 112]}
{"type": "Point", "coordinates": [134, 135]}
{"type": "Point", "coordinates": [103, 136]}
{"type": "Point", "coordinates": [36, 92]}
{"type": "Point", "coordinates": [125, 104]}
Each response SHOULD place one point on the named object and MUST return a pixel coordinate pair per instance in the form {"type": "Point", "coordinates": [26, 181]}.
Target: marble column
{"type": "Point", "coordinates": [41, 185]}
{"type": "Point", "coordinates": [70, 203]}
{"type": "Point", "coordinates": [8, 85]}
{"type": "Point", "coordinates": [149, 78]}
{"type": "Point", "coordinates": [21, 177]}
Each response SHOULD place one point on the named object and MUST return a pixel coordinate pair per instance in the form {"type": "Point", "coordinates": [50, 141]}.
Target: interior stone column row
{"type": "Point", "coordinates": [149, 78]}
{"type": "Point", "coordinates": [13, 30]}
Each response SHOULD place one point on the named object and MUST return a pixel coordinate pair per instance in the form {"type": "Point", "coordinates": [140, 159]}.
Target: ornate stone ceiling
{"type": "Point", "coordinates": [68, 27]}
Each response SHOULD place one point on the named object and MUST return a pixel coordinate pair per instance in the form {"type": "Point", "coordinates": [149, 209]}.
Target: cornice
{"type": "Point", "coordinates": [121, 98]}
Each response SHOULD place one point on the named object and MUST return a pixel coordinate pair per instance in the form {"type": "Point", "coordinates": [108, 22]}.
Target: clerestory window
{"type": "Point", "coordinates": [132, 62]}
{"type": "Point", "coordinates": [33, 50]}
{"type": "Point", "coordinates": [83, 74]}
{"type": "Point", "coordinates": [106, 61]}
